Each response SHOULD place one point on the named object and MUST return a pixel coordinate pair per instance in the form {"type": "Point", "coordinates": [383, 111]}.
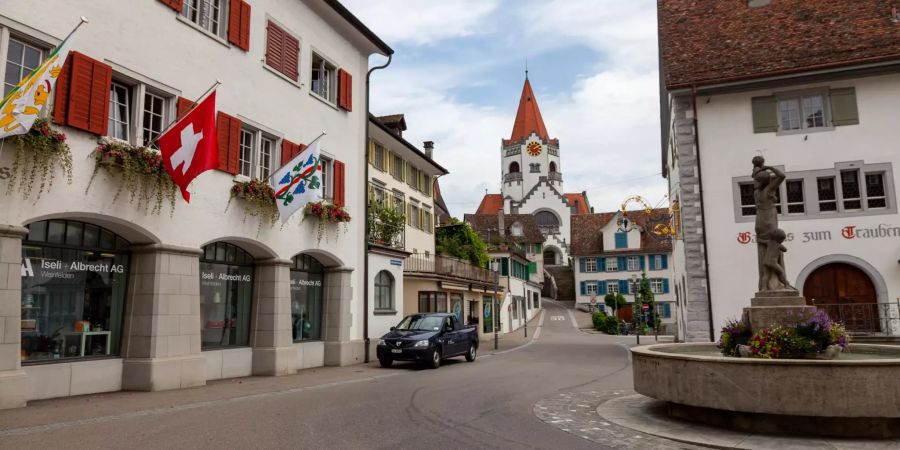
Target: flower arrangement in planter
{"type": "Point", "coordinates": [812, 337]}
{"type": "Point", "coordinates": [260, 200]}
{"type": "Point", "coordinates": [38, 152]}
{"type": "Point", "coordinates": [326, 213]}
{"type": "Point", "coordinates": [386, 224]}
{"type": "Point", "coordinates": [142, 172]}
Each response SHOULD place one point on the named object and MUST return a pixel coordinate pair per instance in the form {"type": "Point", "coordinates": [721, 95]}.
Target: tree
{"type": "Point", "coordinates": [614, 301]}
{"type": "Point", "coordinates": [645, 296]}
{"type": "Point", "coordinates": [461, 241]}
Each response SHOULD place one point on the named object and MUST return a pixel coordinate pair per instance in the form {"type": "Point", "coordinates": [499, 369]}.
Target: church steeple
{"type": "Point", "coordinates": [528, 118]}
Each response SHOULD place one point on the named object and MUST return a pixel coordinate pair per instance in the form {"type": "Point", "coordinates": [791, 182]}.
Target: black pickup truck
{"type": "Point", "coordinates": [428, 338]}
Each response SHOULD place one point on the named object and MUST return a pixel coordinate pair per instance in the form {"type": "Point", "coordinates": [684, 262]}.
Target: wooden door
{"type": "Point", "coordinates": [846, 293]}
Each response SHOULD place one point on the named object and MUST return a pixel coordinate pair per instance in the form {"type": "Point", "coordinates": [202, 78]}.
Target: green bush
{"type": "Point", "coordinates": [604, 323]}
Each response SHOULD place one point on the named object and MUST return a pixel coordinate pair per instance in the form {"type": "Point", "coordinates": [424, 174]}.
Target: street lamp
{"type": "Point", "coordinates": [638, 325]}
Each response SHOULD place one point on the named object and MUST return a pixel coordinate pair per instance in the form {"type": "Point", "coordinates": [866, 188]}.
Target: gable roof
{"type": "Point", "coordinates": [486, 225]}
{"type": "Point", "coordinates": [587, 239]}
{"type": "Point", "coordinates": [442, 212]}
{"type": "Point", "coordinates": [528, 118]}
{"type": "Point", "coordinates": [713, 41]}
{"type": "Point", "coordinates": [579, 201]}
{"type": "Point", "coordinates": [490, 204]}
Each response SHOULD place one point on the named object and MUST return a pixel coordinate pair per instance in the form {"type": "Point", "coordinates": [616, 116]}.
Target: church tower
{"type": "Point", "coordinates": [529, 155]}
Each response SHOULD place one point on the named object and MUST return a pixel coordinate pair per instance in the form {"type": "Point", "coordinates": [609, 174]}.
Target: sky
{"type": "Point", "coordinates": [458, 71]}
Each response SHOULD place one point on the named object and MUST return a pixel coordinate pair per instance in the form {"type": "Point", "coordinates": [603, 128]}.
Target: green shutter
{"type": "Point", "coordinates": [532, 267]}
{"type": "Point", "coordinates": [504, 266]}
{"type": "Point", "coordinates": [765, 114]}
{"type": "Point", "coordinates": [843, 107]}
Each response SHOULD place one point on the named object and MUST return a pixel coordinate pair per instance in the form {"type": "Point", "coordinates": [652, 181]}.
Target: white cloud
{"type": "Point", "coordinates": [423, 21]}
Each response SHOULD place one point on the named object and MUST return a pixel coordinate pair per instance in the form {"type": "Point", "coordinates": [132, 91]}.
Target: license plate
{"type": "Point", "coordinates": [396, 350]}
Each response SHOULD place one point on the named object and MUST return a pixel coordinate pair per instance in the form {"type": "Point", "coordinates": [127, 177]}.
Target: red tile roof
{"type": "Point", "coordinates": [528, 119]}
{"type": "Point", "coordinates": [587, 239]}
{"type": "Point", "coordinates": [711, 41]}
{"type": "Point", "coordinates": [580, 201]}
{"type": "Point", "coordinates": [486, 225]}
{"type": "Point", "coordinates": [490, 204]}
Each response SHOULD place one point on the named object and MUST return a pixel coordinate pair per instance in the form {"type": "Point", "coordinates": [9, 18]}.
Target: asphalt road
{"type": "Point", "coordinates": [485, 404]}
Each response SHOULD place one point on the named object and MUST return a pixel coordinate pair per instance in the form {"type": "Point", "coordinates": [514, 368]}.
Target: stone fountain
{"type": "Point", "coordinates": [856, 394]}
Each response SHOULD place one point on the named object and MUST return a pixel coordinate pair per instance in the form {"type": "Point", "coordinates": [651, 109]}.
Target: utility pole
{"type": "Point", "coordinates": [494, 315]}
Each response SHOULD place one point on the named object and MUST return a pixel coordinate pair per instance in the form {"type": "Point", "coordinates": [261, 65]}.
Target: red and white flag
{"type": "Point", "coordinates": [190, 147]}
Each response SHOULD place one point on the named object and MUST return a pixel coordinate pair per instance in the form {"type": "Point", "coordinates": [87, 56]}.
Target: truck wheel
{"type": "Point", "coordinates": [470, 355]}
{"type": "Point", "coordinates": [435, 359]}
{"type": "Point", "coordinates": [385, 362]}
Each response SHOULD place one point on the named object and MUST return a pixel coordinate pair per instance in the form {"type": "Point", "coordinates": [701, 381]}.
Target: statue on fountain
{"type": "Point", "coordinates": [769, 238]}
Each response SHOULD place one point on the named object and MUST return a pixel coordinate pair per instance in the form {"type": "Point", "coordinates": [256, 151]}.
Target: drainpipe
{"type": "Point", "coordinates": [712, 332]}
{"type": "Point", "coordinates": [365, 196]}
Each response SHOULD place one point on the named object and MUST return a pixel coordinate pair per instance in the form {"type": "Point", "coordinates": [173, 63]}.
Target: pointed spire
{"type": "Point", "coordinates": [528, 119]}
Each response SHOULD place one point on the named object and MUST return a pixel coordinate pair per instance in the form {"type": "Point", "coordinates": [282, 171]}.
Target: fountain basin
{"type": "Point", "coordinates": [862, 383]}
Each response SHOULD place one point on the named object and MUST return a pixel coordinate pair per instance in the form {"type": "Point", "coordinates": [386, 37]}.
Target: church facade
{"type": "Point", "coordinates": [532, 181]}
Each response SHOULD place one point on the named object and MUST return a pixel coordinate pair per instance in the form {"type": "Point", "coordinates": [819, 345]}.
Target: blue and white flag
{"type": "Point", "coordinates": [299, 182]}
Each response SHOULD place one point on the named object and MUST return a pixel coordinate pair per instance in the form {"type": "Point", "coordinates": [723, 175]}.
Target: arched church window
{"type": "Point", "coordinates": [552, 167]}
{"type": "Point", "coordinates": [513, 167]}
{"type": "Point", "coordinates": [546, 219]}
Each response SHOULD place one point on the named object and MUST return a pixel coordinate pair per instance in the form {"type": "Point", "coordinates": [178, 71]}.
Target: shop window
{"type": "Point", "coordinates": [430, 302]}
{"type": "Point", "coordinates": [226, 292]}
{"type": "Point", "coordinates": [384, 291]}
{"type": "Point", "coordinates": [487, 304]}
{"type": "Point", "coordinates": [456, 306]}
{"type": "Point", "coordinates": [74, 279]}
{"type": "Point", "coordinates": [307, 279]}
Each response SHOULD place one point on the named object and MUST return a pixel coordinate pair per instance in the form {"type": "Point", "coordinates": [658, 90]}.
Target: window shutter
{"type": "Point", "coordinates": [372, 152]}
{"type": "Point", "coordinates": [184, 105]}
{"type": "Point", "coordinates": [339, 186]}
{"type": "Point", "coordinates": [275, 50]}
{"type": "Point", "coordinates": [665, 261]}
{"type": "Point", "coordinates": [228, 129]}
{"type": "Point", "coordinates": [622, 263]}
{"type": "Point", "coordinates": [84, 95]}
{"type": "Point", "coordinates": [667, 310]}
{"type": "Point", "coordinates": [601, 288]}
{"type": "Point", "coordinates": [583, 288]}
{"type": "Point", "coordinates": [843, 107]}
{"type": "Point", "coordinates": [651, 262]}
{"type": "Point", "coordinates": [239, 24]}
{"type": "Point", "coordinates": [289, 150]}
{"type": "Point", "coordinates": [504, 266]}
{"type": "Point", "coordinates": [581, 265]}
{"type": "Point", "coordinates": [174, 4]}
{"type": "Point", "coordinates": [665, 282]}
{"type": "Point", "coordinates": [621, 240]}
{"type": "Point", "coordinates": [532, 267]}
{"type": "Point", "coordinates": [61, 96]}
{"type": "Point", "coordinates": [601, 264]}
{"type": "Point", "coordinates": [642, 259]}
{"type": "Point", "coordinates": [345, 90]}
{"type": "Point", "coordinates": [765, 114]}
{"type": "Point", "coordinates": [291, 57]}
{"type": "Point", "coordinates": [623, 287]}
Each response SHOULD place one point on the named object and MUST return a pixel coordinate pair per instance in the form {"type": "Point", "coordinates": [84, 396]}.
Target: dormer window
{"type": "Point", "coordinates": [516, 229]}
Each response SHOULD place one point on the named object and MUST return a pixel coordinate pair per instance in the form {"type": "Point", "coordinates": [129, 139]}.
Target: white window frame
{"type": "Point", "coordinates": [331, 82]}
{"type": "Point", "coordinates": [633, 263]}
{"type": "Point", "coordinates": [204, 24]}
{"type": "Point", "coordinates": [800, 97]}
{"type": "Point", "coordinates": [656, 285]}
{"type": "Point", "coordinates": [657, 262]}
{"type": "Point", "coordinates": [516, 229]}
{"type": "Point", "coordinates": [24, 71]}
{"type": "Point", "coordinates": [257, 137]}
{"type": "Point", "coordinates": [398, 201]}
{"type": "Point", "coordinates": [148, 134]}
{"type": "Point", "coordinates": [612, 286]}
{"type": "Point", "coordinates": [591, 287]}
{"type": "Point", "coordinates": [327, 163]}
{"type": "Point", "coordinates": [590, 264]}
{"type": "Point", "coordinates": [127, 101]}
{"type": "Point", "coordinates": [612, 264]}
{"type": "Point", "coordinates": [380, 287]}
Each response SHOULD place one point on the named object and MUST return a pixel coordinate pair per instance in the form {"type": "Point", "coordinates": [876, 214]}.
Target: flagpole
{"type": "Point", "coordinates": [269, 178]}
{"type": "Point", "coordinates": [193, 105]}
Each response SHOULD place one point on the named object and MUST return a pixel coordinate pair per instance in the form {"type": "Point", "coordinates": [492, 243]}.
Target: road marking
{"type": "Point", "coordinates": [563, 318]}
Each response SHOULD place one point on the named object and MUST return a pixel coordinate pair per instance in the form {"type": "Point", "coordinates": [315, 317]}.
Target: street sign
{"type": "Point", "coordinates": [593, 300]}
{"type": "Point", "coordinates": [645, 307]}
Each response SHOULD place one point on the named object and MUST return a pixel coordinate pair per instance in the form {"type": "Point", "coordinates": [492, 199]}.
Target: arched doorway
{"type": "Point", "coordinates": [226, 292]}
{"type": "Point", "coordinates": [847, 293]}
{"type": "Point", "coordinates": [551, 257]}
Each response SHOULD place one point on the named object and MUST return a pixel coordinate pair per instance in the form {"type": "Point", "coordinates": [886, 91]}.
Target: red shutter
{"type": "Point", "coordinates": [61, 96]}
{"type": "Point", "coordinates": [289, 150]}
{"type": "Point", "coordinates": [345, 90]}
{"type": "Point", "coordinates": [85, 95]}
{"type": "Point", "coordinates": [184, 105]}
{"type": "Point", "coordinates": [228, 129]}
{"type": "Point", "coordinates": [338, 187]}
{"type": "Point", "coordinates": [239, 24]}
{"type": "Point", "coordinates": [275, 47]}
{"type": "Point", "coordinates": [291, 57]}
{"type": "Point", "coordinates": [174, 4]}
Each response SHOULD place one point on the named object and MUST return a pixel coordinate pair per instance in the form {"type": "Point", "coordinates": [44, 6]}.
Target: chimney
{"type": "Point", "coordinates": [429, 148]}
{"type": "Point", "coordinates": [501, 223]}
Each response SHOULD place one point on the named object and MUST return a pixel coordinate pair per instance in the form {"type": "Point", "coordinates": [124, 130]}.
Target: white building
{"type": "Point", "coordinates": [112, 296]}
{"type": "Point", "coordinates": [608, 259]}
{"type": "Point", "coordinates": [826, 119]}
{"type": "Point", "coordinates": [531, 175]}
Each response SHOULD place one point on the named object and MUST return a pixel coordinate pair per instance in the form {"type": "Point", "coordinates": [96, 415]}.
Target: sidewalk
{"type": "Point", "coordinates": [513, 339]}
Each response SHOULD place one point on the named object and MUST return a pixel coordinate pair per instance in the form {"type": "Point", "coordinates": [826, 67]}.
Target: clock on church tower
{"type": "Point", "coordinates": [533, 149]}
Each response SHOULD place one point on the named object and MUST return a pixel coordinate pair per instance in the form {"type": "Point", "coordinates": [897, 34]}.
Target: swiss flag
{"type": "Point", "coordinates": [190, 147]}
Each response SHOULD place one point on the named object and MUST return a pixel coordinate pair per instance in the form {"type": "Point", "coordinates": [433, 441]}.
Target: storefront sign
{"type": "Point", "coordinates": [221, 276]}
{"type": "Point", "coordinates": [314, 283]}
{"type": "Point", "coordinates": [60, 269]}
{"type": "Point", "coordinates": [849, 232]}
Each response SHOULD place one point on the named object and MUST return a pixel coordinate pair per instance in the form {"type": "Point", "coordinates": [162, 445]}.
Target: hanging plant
{"type": "Point", "coordinates": [38, 153]}
{"type": "Point", "coordinates": [326, 213]}
{"type": "Point", "coordinates": [260, 200]}
{"type": "Point", "coordinates": [142, 172]}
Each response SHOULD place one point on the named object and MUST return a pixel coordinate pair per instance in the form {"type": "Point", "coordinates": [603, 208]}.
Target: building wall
{"type": "Point", "coordinates": [182, 61]}
{"type": "Point", "coordinates": [728, 143]}
{"type": "Point", "coordinates": [380, 322]}
{"type": "Point", "coordinates": [622, 274]}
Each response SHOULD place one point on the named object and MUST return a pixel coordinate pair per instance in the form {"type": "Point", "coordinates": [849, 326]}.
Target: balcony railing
{"type": "Point", "coordinates": [554, 176]}
{"type": "Point", "coordinates": [882, 318]}
{"type": "Point", "coordinates": [514, 176]}
{"type": "Point", "coordinates": [375, 236]}
{"type": "Point", "coordinates": [451, 267]}
{"type": "Point", "coordinates": [549, 229]}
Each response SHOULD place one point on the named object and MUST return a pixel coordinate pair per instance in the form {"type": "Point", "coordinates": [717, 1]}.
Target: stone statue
{"type": "Point", "coordinates": [769, 238]}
